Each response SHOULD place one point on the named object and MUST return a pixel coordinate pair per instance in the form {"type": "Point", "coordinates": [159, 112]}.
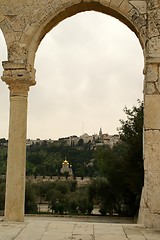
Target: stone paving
{"type": "Point", "coordinates": [42, 228]}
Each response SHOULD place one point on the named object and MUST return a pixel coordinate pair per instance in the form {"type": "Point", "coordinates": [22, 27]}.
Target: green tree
{"type": "Point", "coordinates": [56, 201]}
{"type": "Point", "coordinates": [3, 160]}
{"type": "Point", "coordinates": [102, 193]}
{"type": "Point", "coordinates": [84, 203]}
{"type": "Point", "coordinates": [122, 165]}
{"type": "Point", "coordinates": [30, 199]}
{"type": "Point", "coordinates": [131, 133]}
{"type": "Point", "coordinates": [2, 193]}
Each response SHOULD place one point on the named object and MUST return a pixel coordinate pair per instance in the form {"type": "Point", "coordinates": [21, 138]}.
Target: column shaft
{"type": "Point", "coordinates": [149, 214]}
{"type": "Point", "coordinates": [16, 163]}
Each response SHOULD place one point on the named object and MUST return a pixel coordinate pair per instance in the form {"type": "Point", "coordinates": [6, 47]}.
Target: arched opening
{"type": "Point", "coordinates": [4, 115]}
{"type": "Point", "coordinates": [99, 54]}
{"type": "Point", "coordinates": [99, 77]}
{"type": "Point", "coordinates": [4, 101]}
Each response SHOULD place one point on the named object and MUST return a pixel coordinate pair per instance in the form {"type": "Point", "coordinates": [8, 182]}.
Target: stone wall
{"type": "Point", "coordinates": [80, 181]}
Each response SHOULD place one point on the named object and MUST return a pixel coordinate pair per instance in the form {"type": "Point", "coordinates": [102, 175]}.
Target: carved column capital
{"type": "Point", "coordinates": [19, 77]}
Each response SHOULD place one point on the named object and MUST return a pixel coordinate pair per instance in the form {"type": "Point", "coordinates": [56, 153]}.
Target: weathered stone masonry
{"type": "Point", "coordinates": [24, 24]}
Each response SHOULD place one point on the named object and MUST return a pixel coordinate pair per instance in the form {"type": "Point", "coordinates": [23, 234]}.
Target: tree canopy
{"type": "Point", "coordinates": [122, 165]}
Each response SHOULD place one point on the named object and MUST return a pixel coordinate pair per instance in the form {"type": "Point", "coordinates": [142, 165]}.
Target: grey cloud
{"type": "Point", "coordinates": [88, 68]}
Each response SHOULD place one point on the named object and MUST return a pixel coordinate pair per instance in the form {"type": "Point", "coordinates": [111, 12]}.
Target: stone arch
{"type": "Point", "coordinates": [128, 13]}
{"type": "Point", "coordinates": [24, 24]}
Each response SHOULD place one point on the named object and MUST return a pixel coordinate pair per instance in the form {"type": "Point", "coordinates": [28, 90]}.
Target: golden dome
{"type": "Point", "coordinates": [65, 162]}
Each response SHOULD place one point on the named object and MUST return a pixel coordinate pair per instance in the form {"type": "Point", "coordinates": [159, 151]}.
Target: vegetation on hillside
{"type": "Point", "coordinates": [46, 159]}
{"type": "Point", "coordinates": [117, 173]}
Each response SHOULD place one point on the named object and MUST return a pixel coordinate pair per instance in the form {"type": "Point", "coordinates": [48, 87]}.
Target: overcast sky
{"type": "Point", "coordinates": [89, 67]}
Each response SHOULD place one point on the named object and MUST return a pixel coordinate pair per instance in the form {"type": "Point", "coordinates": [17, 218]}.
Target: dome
{"type": "Point", "coordinates": [65, 162]}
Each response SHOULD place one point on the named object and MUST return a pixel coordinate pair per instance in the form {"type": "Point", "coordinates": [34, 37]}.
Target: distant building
{"type": "Point", "coordinates": [73, 140]}
{"type": "Point", "coordinates": [66, 167]}
{"type": "Point", "coordinates": [95, 140]}
{"type": "Point", "coordinates": [100, 134]}
{"type": "Point", "coordinates": [86, 138]}
{"type": "Point", "coordinates": [111, 140]}
{"type": "Point", "coordinates": [105, 139]}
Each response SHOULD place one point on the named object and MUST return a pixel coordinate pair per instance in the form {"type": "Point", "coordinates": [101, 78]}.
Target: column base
{"type": "Point", "coordinates": [148, 218]}
{"type": "Point", "coordinates": [11, 217]}
{"type": "Point", "coordinates": [6, 219]}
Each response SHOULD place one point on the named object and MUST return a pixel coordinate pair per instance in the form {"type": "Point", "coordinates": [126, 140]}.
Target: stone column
{"type": "Point", "coordinates": [16, 162]}
{"type": "Point", "coordinates": [19, 81]}
{"type": "Point", "coordinates": [150, 201]}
